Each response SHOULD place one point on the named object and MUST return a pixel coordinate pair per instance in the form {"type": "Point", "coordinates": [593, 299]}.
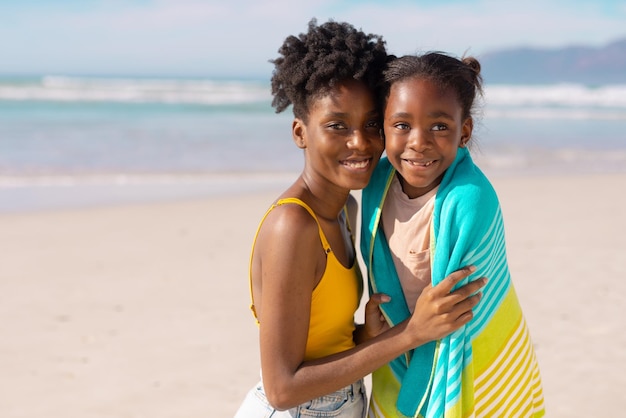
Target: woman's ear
{"type": "Point", "coordinates": [466, 132]}
{"type": "Point", "coordinates": [298, 130]}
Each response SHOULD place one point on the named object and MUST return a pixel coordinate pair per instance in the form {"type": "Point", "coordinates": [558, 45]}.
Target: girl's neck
{"type": "Point", "coordinates": [414, 192]}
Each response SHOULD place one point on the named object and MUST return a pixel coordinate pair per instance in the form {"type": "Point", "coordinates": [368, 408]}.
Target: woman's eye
{"type": "Point", "coordinates": [373, 124]}
{"type": "Point", "coordinates": [439, 127]}
{"type": "Point", "coordinates": [336, 126]}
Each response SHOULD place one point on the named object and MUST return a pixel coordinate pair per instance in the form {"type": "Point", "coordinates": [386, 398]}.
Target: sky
{"type": "Point", "coordinates": [236, 38]}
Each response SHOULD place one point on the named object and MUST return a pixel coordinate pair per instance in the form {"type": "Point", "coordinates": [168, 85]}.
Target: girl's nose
{"type": "Point", "coordinates": [418, 139]}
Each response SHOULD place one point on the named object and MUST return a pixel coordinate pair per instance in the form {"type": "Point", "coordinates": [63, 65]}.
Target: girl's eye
{"type": "Point", "coordinates": [439, 127]}
{"type": "Point", "coordinates": [401, 126]}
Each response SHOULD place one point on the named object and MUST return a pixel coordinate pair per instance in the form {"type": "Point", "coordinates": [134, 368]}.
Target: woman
{"type": "Point", "coordinates": [305, 283]}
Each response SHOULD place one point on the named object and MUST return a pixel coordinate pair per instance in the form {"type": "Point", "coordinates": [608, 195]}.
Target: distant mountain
{"type": "Point", "coordinates": [575, 64]}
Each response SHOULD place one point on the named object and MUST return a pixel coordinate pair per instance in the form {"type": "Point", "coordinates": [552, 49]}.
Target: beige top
{"type": "Point", "coordinates": [406, 224]}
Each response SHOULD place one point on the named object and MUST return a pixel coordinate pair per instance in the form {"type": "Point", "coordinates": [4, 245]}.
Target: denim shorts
{"type": "Point", "coordinates": [349, 402]}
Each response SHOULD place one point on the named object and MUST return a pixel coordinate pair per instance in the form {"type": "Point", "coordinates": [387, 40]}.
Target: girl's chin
{"type": "Point", "coordinates": [418, 187]}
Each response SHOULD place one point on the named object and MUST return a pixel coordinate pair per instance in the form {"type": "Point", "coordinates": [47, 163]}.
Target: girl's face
{"type": "Point", "coordinates": [423, 131]}
{"type": "Point", "coordinates": [341, 139]}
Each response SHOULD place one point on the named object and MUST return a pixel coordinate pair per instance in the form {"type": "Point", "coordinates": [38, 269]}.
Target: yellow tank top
{"type": "Point", "coordinates": [334, 302]}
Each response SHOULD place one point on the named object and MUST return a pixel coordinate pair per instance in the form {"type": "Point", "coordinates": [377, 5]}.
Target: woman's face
{"type": "Point", "coordinates": [423, 130]}
{"type": "Point", "coordinates": [341, 138]}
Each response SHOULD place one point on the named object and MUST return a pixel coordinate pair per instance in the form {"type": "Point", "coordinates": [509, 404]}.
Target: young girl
{"type": "Point", "coordinates": [427, 211]}
{"type": "Point", "coordinates": [305, 283]}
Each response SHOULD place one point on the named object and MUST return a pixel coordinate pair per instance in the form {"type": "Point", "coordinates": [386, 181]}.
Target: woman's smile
{"type": "Point", "coordinates": [358, 164]}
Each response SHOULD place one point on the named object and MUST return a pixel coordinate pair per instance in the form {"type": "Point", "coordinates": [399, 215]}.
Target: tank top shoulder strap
{"type": "Point", "coordinates": [287, 200]}
{"type": "Point", "coordinates": [299, 202]}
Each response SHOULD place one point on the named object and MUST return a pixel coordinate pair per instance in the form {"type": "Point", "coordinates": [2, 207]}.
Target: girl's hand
{"type": "Point", "coordinates": [375, 322]}
{"type": "Point", "coordinates": [439, 312]}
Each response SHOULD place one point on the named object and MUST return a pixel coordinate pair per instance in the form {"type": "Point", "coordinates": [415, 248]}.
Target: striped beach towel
{"type": "Point", "coordinates": [488, 368]}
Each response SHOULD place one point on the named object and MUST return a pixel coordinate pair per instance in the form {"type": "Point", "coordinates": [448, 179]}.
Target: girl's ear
{"type": "Point", "coordinates": [298, 130]}
{"type": "Point", "coordinates": [466, 131]}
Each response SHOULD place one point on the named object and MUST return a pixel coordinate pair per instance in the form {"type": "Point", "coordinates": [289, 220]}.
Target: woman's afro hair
{"type": "Point", "coordinates": [315, 62]}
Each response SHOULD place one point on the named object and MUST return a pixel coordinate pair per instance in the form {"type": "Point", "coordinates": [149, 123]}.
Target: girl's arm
{"type": "Point", "coordinates": [375, 322]}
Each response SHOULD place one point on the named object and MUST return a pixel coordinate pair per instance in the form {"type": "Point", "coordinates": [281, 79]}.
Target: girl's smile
{"type": "Point", "coordinates": [423, 131]}
{"type": "Point", "coordinates": [419, 164]}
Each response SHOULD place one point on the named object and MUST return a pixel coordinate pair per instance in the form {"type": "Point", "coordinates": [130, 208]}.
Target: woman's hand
{"type": "Point", "coordinates": [439, 311]}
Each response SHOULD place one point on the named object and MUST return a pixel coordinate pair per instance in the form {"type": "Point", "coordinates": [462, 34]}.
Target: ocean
{"type": "Point", "coordinates": [77, 141]}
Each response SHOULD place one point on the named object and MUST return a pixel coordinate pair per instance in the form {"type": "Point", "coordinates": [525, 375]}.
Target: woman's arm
{"type": "Point", "coordinates": [289, 274]}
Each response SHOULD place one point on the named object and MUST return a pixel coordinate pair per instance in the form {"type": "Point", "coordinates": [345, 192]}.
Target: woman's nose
{"type": "Point", "coordinates": [362, 139]}
{"type": "Point", "coordinates": [358, 140]}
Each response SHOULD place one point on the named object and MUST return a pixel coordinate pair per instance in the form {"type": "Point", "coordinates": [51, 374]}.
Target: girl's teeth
{"type": "Point", "coordinates": [421, 164]}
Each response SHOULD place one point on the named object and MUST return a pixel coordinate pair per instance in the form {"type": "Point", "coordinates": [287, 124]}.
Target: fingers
{"type": "Point", "coordinates": [375, 322]}
{"type": "Point", "coordinates": [449, 282]}
{"type": "Point", "coordinates": [468, 304]}
{"type": "Point", "coordinates": [464, 292]}
{"type": "Point", "coordinates": [440, 311]}
{"type": "Point", "coordinates": [375, 301]}
{"type": "Point", "coordinates": [463, 319]}
{"type": "Point", "coordinates": [459, 301]}
{"type": "Point", "coordinates": [470, 288]}
{"type": "Point", "coordinates": [463, 311]}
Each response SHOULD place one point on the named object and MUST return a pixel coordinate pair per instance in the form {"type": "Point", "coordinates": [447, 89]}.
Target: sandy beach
{"type": "Point", "coordinates": [141, 310]}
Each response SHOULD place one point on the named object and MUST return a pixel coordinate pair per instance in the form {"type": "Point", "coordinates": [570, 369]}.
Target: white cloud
{"type": "Point", "coordinates": [486, 25]}
{"type": "Point", "coordinates": [237, 37]}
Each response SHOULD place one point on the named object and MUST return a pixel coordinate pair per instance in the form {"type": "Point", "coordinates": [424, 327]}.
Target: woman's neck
{"type": "Point", "coordinates": [326, 200]}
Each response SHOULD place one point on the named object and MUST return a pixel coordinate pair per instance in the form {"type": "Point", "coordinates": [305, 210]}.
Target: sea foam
{"type": "Point", "coordinates": [135, 90]}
